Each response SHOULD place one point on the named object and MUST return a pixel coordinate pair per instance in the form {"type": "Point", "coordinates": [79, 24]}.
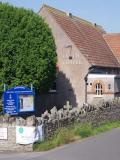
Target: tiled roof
{"type": "Point", "coordinates": [113, 41]}
{"type": "Point", "coordinates": [86, 37]}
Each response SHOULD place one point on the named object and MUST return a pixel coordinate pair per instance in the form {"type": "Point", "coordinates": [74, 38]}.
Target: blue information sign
{"type": "Point", "coordinates": [10, 103]}
{"type": "Point", "coordinates": [18, 100]}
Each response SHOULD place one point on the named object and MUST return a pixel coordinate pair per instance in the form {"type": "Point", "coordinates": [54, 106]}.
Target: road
{"type": "Point", "coordinates": [102, 147]}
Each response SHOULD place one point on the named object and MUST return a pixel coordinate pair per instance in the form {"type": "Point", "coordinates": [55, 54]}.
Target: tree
{"type": "Point", "coordinates": [27, 49]}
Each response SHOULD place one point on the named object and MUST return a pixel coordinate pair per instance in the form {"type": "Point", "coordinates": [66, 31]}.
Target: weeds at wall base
{"type": "Point", "coordinates": [71, 134]}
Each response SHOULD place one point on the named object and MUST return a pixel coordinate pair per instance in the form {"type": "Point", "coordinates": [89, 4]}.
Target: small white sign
{"type": "Point", "coordinates": [3, 133]}
{"type": "Point", "coordinates": [28, 135]}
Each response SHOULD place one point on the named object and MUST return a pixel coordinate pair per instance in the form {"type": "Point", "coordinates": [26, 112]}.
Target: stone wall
{"type": "Point", "coordinates": [10, 123]}
{"type": "Point", "coordinates": [67, 116]}
{"type": "Point", "coordinates": [51, 121]}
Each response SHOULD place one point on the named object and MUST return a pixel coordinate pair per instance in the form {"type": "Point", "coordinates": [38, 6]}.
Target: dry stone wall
{"type": "Point", "coordinates": [107, 112]}
{"type": "Point", "coordinates": [55, 119]}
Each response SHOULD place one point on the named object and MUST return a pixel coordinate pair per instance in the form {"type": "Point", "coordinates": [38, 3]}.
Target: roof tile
{"type": "Point", "coordinates": [113, 41]}
{"type": "Point", "coordinates": [87, 38]}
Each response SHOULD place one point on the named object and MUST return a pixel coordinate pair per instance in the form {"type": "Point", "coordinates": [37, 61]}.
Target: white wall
{"type": "Point", "coordinates": [105, 80]}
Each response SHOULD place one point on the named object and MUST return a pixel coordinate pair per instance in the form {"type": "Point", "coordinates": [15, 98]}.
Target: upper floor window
{"type": "Point", "coordinates": [99, 89]}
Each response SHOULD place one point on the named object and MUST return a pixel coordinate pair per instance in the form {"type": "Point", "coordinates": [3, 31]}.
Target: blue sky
{"type": "Point", "coordinates": [103, 12]}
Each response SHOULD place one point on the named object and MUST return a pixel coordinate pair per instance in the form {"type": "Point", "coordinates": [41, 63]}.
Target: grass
{"type": "Point", "coordinates": [76, 132]}
{"type": "Point", "coordinates": [62, 136]}
{"type": "Point", "coordinates": [83, 130]}
{"type": "Point", "coordinates": [106, 127]}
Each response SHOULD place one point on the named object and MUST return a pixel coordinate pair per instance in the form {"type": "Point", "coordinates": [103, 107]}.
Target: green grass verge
{"type": "Point", "coordinates": [62, 136]}
{"type": "Point", "coordinates": [76, 132]}
{"type": "Point", "coordinates": [106, 127]}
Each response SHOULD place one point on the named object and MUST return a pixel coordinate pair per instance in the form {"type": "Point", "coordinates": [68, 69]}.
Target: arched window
{"type": "Point", "coordinates": [99, 89]}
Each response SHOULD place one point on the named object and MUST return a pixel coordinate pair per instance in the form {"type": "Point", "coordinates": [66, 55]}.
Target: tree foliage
{"type": "Point", "coordinates": [27, 49]}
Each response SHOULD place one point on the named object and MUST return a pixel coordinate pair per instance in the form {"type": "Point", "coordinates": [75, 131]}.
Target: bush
{"type": "Point", "coordinates": [27, 49]}
{"type": "Point", "coordinates": [1, 105]}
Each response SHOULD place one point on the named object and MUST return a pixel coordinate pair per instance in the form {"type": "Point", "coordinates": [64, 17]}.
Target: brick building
{"type": "Point", "coordinates": [88, 60]}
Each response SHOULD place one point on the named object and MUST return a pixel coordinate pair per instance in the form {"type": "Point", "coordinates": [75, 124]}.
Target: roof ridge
{"type": "Point", "coordinates": [52, 8]}
{"type": "Point", "coordinates": [63, 13]}
{"type": "Point", "coordinates": [90, 24]}
{"type": "Point", "coordinates": [111, 34]}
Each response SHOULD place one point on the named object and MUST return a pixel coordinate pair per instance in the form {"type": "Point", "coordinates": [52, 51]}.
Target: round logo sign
{"type": "Point", "coordinates": [20, 130]}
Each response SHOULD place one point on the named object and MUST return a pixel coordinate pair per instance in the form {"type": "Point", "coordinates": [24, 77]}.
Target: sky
{"type": "Point", "coordinates": [102, 12]}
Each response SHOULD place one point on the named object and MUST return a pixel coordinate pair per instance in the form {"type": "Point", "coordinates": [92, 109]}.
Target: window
{"type": "Point", "coordinates": [53, 88]}
{"type": "Point", "coordinates": [109, 86]}
{"type": "Point", "coordinates": [99, 89]}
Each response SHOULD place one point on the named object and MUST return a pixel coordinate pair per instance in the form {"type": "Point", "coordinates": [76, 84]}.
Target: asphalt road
{"type": "Point", "coordinates": [102, 147]}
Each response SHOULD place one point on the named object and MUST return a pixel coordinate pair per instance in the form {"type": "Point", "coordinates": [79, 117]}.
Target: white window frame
{"type": "Point", "coordinates": [99, 89]}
